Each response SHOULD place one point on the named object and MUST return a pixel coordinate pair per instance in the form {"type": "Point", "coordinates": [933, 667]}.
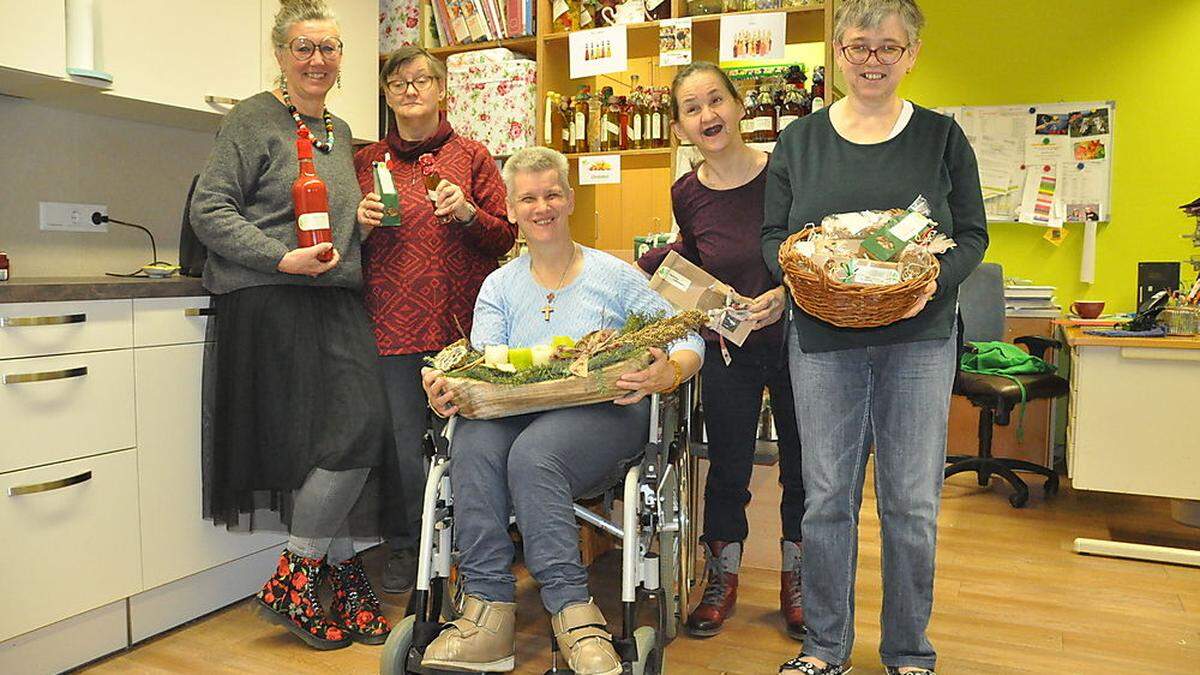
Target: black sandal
{"type": "Point", "coordinates": [805, 668]}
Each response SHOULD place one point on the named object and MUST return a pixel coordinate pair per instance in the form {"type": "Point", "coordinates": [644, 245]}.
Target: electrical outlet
{"type": "Point", "coordinates": [61, 217]}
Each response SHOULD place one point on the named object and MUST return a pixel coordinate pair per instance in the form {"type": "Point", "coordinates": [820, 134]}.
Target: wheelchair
{"type": "Point", "coordinates": [658, 546]}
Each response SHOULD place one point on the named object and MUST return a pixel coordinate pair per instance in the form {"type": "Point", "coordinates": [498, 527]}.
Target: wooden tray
{"type": "Point", "coordinates": [479, 400]}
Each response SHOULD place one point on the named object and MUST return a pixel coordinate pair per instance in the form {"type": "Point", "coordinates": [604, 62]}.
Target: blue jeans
{"type": "Point", "coordinates": [535, 466]}
{"type": "Point", "coordinates": [896, 397]}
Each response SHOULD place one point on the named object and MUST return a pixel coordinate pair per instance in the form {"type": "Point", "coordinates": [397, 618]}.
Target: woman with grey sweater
{"type": "Point", "coordinates": [295, 407]}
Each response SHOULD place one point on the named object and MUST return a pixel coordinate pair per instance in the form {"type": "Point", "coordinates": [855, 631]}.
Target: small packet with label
{"type": "Point", "coordinates": [385, 187]}
{"type": "Point", "coordinates": [867, 272]}
{"type": "Point", "coordinates": [887, 242]}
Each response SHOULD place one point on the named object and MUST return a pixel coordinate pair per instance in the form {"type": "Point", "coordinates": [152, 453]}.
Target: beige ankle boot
{"type": "Point", "coordinates": [582, 638]}
{"type": "Point", "coordinates": [481, 640]}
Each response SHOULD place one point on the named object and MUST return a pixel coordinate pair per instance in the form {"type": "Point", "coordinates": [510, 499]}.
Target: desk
{"type": "Point", "coordinates": [1133, 428]}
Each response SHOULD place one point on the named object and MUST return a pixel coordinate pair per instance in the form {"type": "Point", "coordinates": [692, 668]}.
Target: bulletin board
{"type": "Point", "coordinates": [1045, 164]}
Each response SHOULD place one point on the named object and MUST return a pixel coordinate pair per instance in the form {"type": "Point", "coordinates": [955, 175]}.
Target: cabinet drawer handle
{"type": "Point", "coordinates": [221, 100]}
{"type": "Point", "coordinates": [21, 378]}
{"type": "Point", "coordinates": [198, 311]}
{"type": "Point", "coordinates": [6, 321]}
{"type": "Point", "coordinates": [49, 485]}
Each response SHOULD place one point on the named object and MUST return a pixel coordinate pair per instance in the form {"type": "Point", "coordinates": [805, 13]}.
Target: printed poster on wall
{"type": "Point", "coordinates": [599, 169]}
{"type": "Point", "coordinates": [675, 42]}
{"type": "Point", "coordinates": [598, 51]}
{"type": "Point", "coordinates": [753, 36]}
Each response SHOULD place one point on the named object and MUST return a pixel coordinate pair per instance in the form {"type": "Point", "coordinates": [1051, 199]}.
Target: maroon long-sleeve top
{"type": "Point", "coordinates": [720, 231]}
{"type": "Point", "coordinates": [420, 279]}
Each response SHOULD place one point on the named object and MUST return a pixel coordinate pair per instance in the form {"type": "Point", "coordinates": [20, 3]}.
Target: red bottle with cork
{"type": "Point", "coordinates": [311, 202]}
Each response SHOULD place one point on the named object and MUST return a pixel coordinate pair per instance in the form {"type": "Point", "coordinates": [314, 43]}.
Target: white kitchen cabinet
{"type": "Point", "coordinates": [357, 100]}
{"type": "Point", "coordinates": [54, 408]}
{"type": "Point", "coordinates": [170, 321]}
{"type": "Point", "coordinates": [71, 532]}
{"type": "Point", "coordinates": [44, 328]}
{"type": "Point", "coordinates": [176, 539]}
{"type": "Point", "coordinates": [34, 37]}
{"type": "Point", "coordinates": [177, 53]}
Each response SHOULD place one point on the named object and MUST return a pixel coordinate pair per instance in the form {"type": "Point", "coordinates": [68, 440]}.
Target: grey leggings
{"type": "Point", "coordinates": [535, 465]}
{"type": "Point", "coordinates": [320, 508]}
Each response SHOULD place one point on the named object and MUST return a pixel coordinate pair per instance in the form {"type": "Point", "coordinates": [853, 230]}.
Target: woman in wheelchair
{"type": "Point", "coordinates": [535, 465]}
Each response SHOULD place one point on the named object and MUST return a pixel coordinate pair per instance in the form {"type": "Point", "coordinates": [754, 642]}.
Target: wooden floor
{"type": "Point", "coordinates": [1010, 597]}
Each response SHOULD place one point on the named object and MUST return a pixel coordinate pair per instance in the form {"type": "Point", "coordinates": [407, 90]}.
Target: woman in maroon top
{"type": "Point", "coordinates": [719, 209]}
{"type": "Point", "coordinates": [421, 278]}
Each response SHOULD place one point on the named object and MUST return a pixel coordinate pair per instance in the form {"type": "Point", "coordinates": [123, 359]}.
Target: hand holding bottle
{"type": "Point", "coordinates": [449, 200]}
{"type": "Point", "coordinates": [306, 260]}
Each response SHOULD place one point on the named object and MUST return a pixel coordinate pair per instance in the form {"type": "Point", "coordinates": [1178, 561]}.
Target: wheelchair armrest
{"type": "Point", "coordinates": [1037, 345]}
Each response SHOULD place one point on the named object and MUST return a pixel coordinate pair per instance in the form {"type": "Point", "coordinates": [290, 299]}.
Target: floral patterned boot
{"type": "Point", "coordinates": [355, 607]}
{"type": "Point", "coordinates": [290, 599]}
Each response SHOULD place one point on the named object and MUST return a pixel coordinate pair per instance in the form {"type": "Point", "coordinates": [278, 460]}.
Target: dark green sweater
{"type": "Point", "coordinates": [814, 172]}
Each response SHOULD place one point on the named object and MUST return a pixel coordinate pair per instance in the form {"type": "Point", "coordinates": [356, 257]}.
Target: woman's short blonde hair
{"type": "Point", "coordinates": [295, 11]}
{"type": "Point", "coordinates": [535, 159]}
{"type": "Point", "coordinates": [403, 56]}
{"type": "Point", "coordinates": [872, 14]}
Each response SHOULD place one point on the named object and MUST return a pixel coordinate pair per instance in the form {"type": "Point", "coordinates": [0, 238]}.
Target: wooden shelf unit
{"type": "Point", "coordinates": [607, 217]}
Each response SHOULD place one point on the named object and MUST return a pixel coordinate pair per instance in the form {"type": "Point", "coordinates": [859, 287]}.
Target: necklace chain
{"type": "Point", "coordinates": [302, 129]}
{"type": "Point", "coordinates": [548, 309]}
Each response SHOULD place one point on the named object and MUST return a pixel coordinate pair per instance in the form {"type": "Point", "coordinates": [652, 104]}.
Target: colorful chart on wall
{"type": "Point", "coordinates": [1044, 164]}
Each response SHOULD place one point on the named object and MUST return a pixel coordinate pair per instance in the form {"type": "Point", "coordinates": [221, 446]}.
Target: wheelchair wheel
{"type": "Point", "coordinates": [650, 654]}
{"type": "Point", "coordinates": [394, 659]}
{"type": "Point", "coordinates": [672, 557]}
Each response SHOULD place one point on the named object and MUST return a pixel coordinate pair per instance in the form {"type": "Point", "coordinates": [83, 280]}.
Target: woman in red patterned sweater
{"type": "Point", "coordinates": [421, 278]}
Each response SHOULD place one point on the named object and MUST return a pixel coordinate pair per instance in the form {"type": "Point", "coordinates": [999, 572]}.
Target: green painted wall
{"type": "Point", "coordinates": [1144, 55]}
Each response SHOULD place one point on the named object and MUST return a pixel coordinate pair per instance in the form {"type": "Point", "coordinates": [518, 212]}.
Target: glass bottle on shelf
{"type": "Point", "coordinates": [564, 16]}
{"type": "Point", "coordinates": [764, 119]}
{"type": "Point", "coordinates": [750, 103]}
{"type": "Point", "coordinates": [624, 123]}
{"type": "Point", "coordinates": [637, 115]}
{"type": "Point", "coordinates": [567, 112]}
{"type": "Point", "coordinates": [818, 88]}
{"type": "Point", "coordinates": [695, 7]}
{"type": "Point", "coordinates": [610, 131]}
{"type": "Point", "coordinates": [581, 125]}
{"type": "Point", "coordinates": [657, 10]}
{"type": "Point", "coordinates": [792, 108]}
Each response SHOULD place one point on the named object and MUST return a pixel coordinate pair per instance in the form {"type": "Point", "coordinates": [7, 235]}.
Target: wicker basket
{"type": "Point", "coordinates": [479, 400]}
{"type": "Point", "coordinates": [847, 305]}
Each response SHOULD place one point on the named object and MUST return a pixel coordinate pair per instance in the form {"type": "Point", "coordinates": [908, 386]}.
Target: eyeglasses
{"type": "Point", "coordinates": [421, 83]}
{"type": "Point", "coordinates": [886, 55]}
{"type": "Point", "coordinates": [303, 48]}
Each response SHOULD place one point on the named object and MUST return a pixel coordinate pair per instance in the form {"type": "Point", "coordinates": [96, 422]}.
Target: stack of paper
{"type": "Point", "coordinates": [1031, 301]}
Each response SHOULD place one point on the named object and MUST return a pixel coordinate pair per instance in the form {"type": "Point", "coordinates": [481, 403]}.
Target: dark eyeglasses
{"type": "Point", "coordinates": [886, 55]}
{"type": "Point", "coordinates": [303, 48]}
{"type": "Point", "coordinates": [421, 83]}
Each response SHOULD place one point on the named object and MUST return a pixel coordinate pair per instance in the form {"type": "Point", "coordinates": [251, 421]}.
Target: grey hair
{"type": "Point", "coordinates": [295, 11]}
{"type": "Point", "coordinates": [535, 159]}
{"type": "Point", "coordinates": [872, 14]}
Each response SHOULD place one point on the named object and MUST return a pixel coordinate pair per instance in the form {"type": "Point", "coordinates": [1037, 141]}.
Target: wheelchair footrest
{"type": "Point", "coordinates": [626, 649]}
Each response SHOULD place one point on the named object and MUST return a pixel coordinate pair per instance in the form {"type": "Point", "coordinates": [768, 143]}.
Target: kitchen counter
{"type": "Point", "coordinates": [57, 289]}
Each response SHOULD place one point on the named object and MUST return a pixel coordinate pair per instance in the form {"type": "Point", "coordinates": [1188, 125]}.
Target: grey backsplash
{"type": "Point", "coordinates": [141, 171]}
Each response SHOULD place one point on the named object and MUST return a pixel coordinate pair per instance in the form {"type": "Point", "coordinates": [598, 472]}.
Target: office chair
{"type": "Point", "coordinates": [981, 319]}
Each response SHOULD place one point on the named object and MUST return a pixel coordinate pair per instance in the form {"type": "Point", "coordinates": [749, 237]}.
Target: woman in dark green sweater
{"type": "Point", "coordinates": [888, 386]}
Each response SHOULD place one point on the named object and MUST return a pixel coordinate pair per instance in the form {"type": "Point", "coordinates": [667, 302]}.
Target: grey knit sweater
{"type": "Point", "coordinates": [242, 207]}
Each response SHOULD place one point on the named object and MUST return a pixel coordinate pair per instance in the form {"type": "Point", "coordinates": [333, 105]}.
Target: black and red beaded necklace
{"type": "Point", "coordinates": [302, 129]}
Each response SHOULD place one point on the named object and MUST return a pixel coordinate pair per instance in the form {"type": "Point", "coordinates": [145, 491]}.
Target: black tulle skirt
{"type": "Point", "coordinates": [291, 383]}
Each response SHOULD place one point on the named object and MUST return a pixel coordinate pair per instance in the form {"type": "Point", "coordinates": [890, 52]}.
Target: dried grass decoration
{"type": "Point", "coordinates": [850, 272]}
{"type": "Point", "coordinates": [581, 374]}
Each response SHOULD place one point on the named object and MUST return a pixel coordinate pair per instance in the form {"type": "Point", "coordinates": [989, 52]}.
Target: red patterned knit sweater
{"type": "Point", "coordinates": [420, 279]}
